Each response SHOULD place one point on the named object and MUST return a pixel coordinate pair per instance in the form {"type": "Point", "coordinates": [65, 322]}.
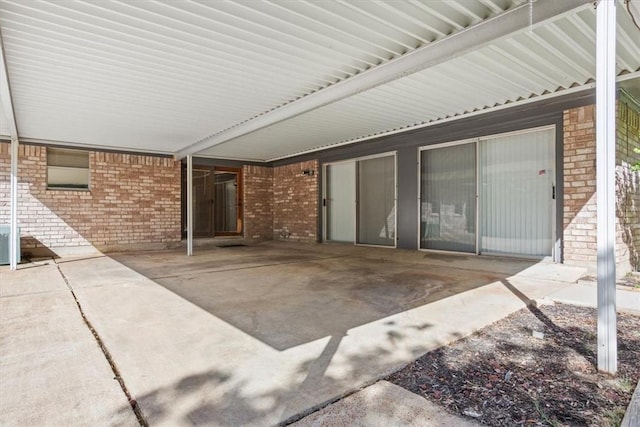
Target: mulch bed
{"type": "Point", "coordinates": [505, 376]}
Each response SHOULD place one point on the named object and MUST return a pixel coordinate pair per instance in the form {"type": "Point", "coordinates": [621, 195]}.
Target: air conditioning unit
{"type": "Point", "coordinates": [5, 230]}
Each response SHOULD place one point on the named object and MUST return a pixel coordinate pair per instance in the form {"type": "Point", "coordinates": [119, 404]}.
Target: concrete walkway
{"type": "Point", "coordinates": [587, 295]}
{"type": "Point", "coordinates": [239, 336]}
{"type": "Point", "coordinates": [52, 371]}
{"type": "Point", "coordinates": [382, 405]}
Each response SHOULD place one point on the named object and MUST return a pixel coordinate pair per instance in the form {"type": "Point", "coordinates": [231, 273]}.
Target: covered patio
{"type": "Point", "coordinates": [117, 117]}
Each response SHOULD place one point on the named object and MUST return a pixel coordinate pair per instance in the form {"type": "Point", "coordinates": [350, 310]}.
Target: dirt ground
{"type": "Point", "coordinates": [533, 368]}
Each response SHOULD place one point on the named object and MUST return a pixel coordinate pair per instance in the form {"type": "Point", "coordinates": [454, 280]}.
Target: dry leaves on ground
{"type": "Point", "coordinates": [535, 367]}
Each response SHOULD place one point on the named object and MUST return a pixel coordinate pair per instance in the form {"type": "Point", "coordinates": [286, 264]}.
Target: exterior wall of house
{"type": "Point", "coordinates": [133, 202]}
{"type": "Point", "coordinates": [580, 210]}
{"type": "Point", "coordinates": [258, 202]}
{"type": "Point", "coordinates": [295, 202]}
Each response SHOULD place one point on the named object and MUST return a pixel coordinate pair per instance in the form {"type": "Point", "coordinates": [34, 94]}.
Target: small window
{"type": "Point", "coordinates": [67, 168]}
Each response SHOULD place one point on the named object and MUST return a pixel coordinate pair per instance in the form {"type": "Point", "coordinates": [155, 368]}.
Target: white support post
{"type": "Point", "coordinates": [6, 103]}
{"type": "Point", "coordinates": [189, 205]}
{"type": "Point", "coordinates": [606, 175]}
{"type": "Point", "coordinates": [14, 238]}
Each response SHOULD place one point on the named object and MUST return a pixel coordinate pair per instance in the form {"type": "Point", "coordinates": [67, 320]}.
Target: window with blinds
{"type": "Point", "coordinates": [67, 169]}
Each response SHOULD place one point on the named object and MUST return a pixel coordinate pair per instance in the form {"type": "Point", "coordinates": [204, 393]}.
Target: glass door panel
{"type": "Point", "coordinates": [377, 201]}
{"type": "Point", "coordinates": [448, 198]}
{"type": "Point", "coordinates": [340, 200]}
{"type": "Point", "coordinates": [516, 193]}
{"type": "Point", "coordinates": [202, 201]}
{"type": "Point", "coordinates": [226, 202]}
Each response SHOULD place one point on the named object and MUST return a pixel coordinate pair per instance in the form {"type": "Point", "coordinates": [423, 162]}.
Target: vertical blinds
{"type": "Point", "coordinates": [515, 183]}
{"type": "Point", "coordinates": [360, 201]}
{"type": "Point", "coordinates": [376, 201]}
{"type": "Point", "coordinates": [516, 205]}
{"type": "Point", "coordinates": [448, 198]}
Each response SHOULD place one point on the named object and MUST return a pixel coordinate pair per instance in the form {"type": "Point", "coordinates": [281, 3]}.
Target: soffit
{"type": "Point", "coordinates": [550, 60]}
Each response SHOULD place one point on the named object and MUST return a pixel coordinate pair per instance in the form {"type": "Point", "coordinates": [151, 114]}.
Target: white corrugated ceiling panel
{"type": "Point", "coordinates": [159, 75]}
{"type": "Point", "coordinates": [547, 59]}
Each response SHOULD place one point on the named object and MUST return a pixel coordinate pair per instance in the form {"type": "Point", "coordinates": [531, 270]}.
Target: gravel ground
{"type": "Point", "coordinates": [533, 368]}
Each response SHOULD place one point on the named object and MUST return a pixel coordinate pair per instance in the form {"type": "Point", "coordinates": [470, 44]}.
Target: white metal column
{"type": "Point", "coordinates": [189, 205]}
{"type": "Point", "coordinates": [606, 174]}
{"type": "Point", "coordinates": [6, 103]}
{"type": "Point", "coordinates": [14, 238]}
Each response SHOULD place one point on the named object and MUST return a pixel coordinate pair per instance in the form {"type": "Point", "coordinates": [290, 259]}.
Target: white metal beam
{"type": "Point", "coordinates": [189, 205]}
{"type": "Point", "coordinates": [605, 183]}
{"type": "Point", "coordinates": [519, 18]}
{"type": "Point", "coordinates": [6, 103]}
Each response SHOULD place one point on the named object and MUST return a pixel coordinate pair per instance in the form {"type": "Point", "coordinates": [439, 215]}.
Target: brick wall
{"type": "Point", "coordinates": [258, 202]}
{"type": "Point", "coordinates": [134, 201]}
{"type": "Point", "coordinates": [580, 211]}
{"type": "Point", "coordinates": [295, 202]}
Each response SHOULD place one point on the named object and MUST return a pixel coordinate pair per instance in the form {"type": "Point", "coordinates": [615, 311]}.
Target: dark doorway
{"type": "Point", "coordinates": [227, 188]}
{"type": "Point", "coordinates": [217, 199]}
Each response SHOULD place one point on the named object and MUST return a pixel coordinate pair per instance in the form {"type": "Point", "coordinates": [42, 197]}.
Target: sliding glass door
{"type": "Point", "coordinates": [360, 201]}
{"type": "Point", "coordinates": [490, 195]}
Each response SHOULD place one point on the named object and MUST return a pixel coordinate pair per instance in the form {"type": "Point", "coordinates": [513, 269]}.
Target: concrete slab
{"type": "Point", "coordinates": [587, 295]}
{"type": "Point", "coordinates": [381, 405]}
{"type": "Point", "coordinates": [32, 278]}
{"type": "Point", "coordinates": [52, 371]}
{"type": "Point", "coordinates": [256, 335]}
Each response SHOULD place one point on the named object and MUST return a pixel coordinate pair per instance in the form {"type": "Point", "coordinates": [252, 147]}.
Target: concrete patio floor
{"type": "Point", "coordinates": [253, 335]}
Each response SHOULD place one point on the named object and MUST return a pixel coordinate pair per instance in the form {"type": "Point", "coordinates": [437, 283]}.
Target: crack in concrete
{"type": "Point", "coordinates": [116, 372]}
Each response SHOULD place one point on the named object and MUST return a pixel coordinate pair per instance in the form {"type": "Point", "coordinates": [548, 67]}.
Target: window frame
{"type": "Point", "coordinates": [70, 169]}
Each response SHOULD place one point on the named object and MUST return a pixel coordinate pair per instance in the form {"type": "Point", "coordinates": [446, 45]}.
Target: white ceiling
{"type": "Point", "coordinates": [160, 75]}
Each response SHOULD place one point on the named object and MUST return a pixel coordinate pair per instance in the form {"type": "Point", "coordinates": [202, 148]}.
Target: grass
{"type": "Point", "coordinates": [613, 417]}
{"type": "Point", "coordinates": [626, 385]}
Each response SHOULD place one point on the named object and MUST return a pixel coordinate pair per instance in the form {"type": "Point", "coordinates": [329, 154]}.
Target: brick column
{"type": "Point", "coordinates": [258, 203]}
{"type": "Point", "coordinates": [580, 186]}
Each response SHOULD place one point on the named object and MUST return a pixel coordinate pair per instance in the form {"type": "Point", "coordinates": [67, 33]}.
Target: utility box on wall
{"type": "Point", "coordinates": [5, 230]}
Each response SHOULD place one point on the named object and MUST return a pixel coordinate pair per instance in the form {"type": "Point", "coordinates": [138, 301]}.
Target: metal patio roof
{"type": "Point", "coordinates": [161, 76]}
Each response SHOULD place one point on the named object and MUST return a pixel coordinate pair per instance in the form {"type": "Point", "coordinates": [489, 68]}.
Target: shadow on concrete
{"type": "Point", "coordinates": [217, 397]}
{"type": "Point", "coordinates": [286, 297]}
{"type": "Point", "coordinates": [32, 248]}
